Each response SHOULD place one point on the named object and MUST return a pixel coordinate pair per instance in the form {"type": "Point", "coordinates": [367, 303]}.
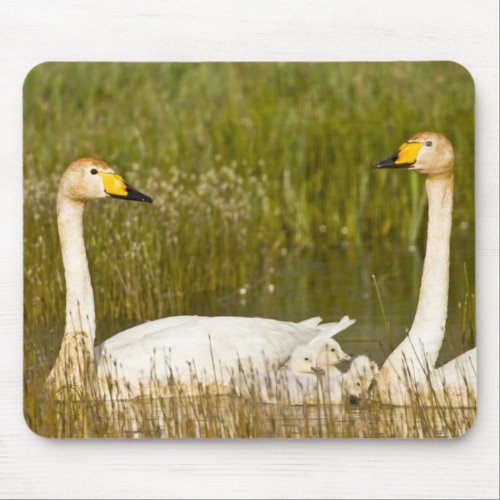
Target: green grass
{"type": "Point", "coordinates": [242, 161]}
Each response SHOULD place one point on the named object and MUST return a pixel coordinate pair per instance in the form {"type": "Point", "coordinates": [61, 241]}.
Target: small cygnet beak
{"type": "Point", "coordinates": [345, 357]}
{"type": "Point", "coordinates": [354, 400]}
{"type": "Point", "coordinates": [317, 370]}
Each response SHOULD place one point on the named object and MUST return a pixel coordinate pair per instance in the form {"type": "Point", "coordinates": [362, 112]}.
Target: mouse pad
{"type": "Point", "coordinates": [249, 250]}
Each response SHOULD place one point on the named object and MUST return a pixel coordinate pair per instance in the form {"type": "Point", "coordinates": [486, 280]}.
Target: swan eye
{"type": "Point", "coordinates": [332, 349]}
{"type": "Point", "coordinates": [428, 144]}
{"type": "Point", "coordinates": [93, 171]}
{"type": "Point", "coordinates": [358, 383]}
{"type": "Point", "coordinates": [307, 359]}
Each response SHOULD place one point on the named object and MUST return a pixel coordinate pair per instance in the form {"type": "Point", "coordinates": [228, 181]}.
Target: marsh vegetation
{"type": "Point", "coordinates": [264, 205]}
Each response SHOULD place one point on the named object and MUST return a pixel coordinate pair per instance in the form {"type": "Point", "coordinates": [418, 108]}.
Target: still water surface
{"type": "Point", "coordinates": [332, 282]}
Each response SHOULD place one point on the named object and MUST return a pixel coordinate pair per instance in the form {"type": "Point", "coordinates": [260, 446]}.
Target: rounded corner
{"type": "Point", "coordinates": [466, 432]}
{"type": "Point", "coordinates": [31, 71]}
{"type": "Point", "coordinates": [32, 430]}
{"type": "Point", "coordinates": [462, 68]}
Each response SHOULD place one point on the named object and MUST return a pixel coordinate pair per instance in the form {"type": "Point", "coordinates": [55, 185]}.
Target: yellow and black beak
{"type": "Point", "coordinates": [116, 187]}
{"type": "Point", "coordinates": [405, 157]}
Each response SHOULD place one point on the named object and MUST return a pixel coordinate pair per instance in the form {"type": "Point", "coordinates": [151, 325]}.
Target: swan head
{"type": "Point", "coordinates": [428, 153]}
{"type": "Point", "coordinates": [91, 179]}
{"type": "Point", "coordinates": [329, 353]}
{"type": "Point", "coordinates": [357, 381]}
{"type": "Point", "coordinates": [304, 361]}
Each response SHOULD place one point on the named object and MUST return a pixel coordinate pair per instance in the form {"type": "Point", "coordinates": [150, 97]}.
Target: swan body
{"type": "Point", "coordinates": [135, 360]}
{"type": "Point", "coordinates": [454, 383]}
{"type": "Point", "coordinates": [409, 366]}
{"type": "Point", "coordinates": [209, 349]}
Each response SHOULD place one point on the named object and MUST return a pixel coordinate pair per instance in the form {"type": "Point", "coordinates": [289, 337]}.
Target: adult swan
{"type": "Point", "coordinates": [133, 361]}
{"type": "Point", "coordinates": [410, 368]}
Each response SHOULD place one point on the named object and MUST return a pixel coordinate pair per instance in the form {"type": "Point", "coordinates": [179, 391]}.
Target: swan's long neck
{"type": "Point", "coordinates": [428, 326]}
{"type": "Point", "coordinates": [411, 361]}
{"type": "Point", "coordinates": [80, 312]}
{"type": "Point", "coordinates": [427, 331]}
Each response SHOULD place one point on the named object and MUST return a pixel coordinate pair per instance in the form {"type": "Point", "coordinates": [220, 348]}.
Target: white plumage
{"type": "Point", "coordinates": [214, 349]}
{"type": "Point", "coordinates": [410, 367]}
{"type": "Point", "coordinates": [143, 358]}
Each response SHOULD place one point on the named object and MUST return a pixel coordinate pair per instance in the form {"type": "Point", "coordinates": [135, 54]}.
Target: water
{"type": "Point", "coordinates": [331, 282]}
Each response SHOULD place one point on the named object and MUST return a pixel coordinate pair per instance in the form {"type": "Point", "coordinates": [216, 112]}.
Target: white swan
{"type": "Point", "coordinates": [304, 381]}
{"type": "Point", "coordinates": [304, 363]}
{"type": "Point", "coordinates": [328, 351]}
{"type": "Point", "coordinates": [297, 379]}
{"type": "Point", "coordinates": [214, 347]}
{"type": "Point", "coordinates": [408, 367]}
{"type": "Point", "coordinates": [329, 354]}
{"type": "Point", "coordinates": [357, 381]}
